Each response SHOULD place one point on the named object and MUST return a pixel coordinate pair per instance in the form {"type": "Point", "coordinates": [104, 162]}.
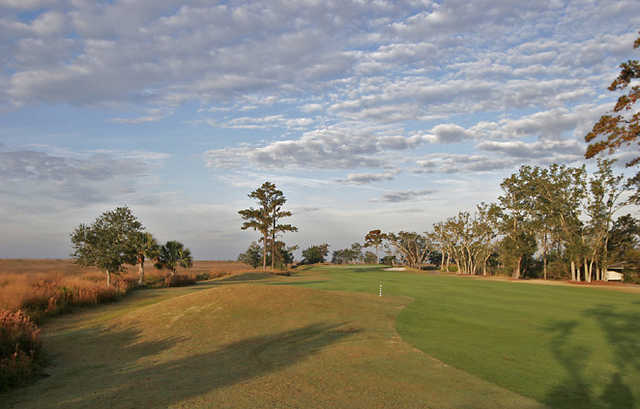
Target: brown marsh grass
{"type": "Point", "coordinates": [49, 286]}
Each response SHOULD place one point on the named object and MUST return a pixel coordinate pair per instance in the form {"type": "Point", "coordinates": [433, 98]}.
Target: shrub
{"type": "Point", "coordinates": [203, 276]}
{"type": "Point", "coordinates": [179, 280]}
{"type": "Point", "coordinates": [21, 355]}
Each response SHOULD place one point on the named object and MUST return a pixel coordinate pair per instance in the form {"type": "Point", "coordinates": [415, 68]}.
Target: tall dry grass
{"type": "Point", "coordinates": [20, 349]}
{"type": "Point", "coordinates": [47, 287]}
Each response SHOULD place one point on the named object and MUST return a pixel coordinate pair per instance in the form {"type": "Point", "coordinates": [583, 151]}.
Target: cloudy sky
{"type": "Point", "coordinates": [389, 114]}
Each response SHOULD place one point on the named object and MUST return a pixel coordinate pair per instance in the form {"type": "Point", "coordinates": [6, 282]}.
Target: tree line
{"type": "Point", "coordinates": [556, 215]}
{"type": "Point", "coordinates": [117, 238]}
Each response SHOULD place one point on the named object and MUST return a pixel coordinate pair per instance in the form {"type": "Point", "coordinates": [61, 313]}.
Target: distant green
{"type": "Point", "coordinates": [568, 347]}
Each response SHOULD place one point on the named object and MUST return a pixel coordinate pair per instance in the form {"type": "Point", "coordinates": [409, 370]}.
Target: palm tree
{"type": "Point", "coordinates": [172, 255]}
{"type": "Point", "coordinates": [145, 246]}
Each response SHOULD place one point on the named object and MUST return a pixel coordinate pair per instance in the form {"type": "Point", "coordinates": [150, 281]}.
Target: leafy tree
{"type": "Point", "coordinates": [173, 254]}
{"type": "Point", "coordinates": [315, 254]}
{"type": "Point", "coordinates": [388, 260]}
{"type": "Point", "coordinates": [145, 246]}
{"type": "Point", "coordinates": [283, 255]}
{"type": "Point", "coordinates": [435, 257]}
{"type": "Point", "coordinates": [349, 255]}
{"type": "Point", "coordinates": [561, 192]}
{"type": "Point", "coordinates": [413, 247]}
{"type": "Point", "coordinates": [604, 200]}
{"type": "Point", "coordinates": [468, 238]}
{"type": "Point", "coordinates": [515, 220]}
{"type": "Point", "coordinates": [621, 127]}
{"type": "Point", "coordinates": [286, 253]}
{"type": "Point", "coordinates": [624, 236]}
{"type": "Point", "coordinates": [107, 243]}
{"type": "Point", "coordinates": [253, 255]}
{"type": "Point", "coordinates": [374, 239]}
{"type": "Point", "coordinates": [370, 258]}
{"type": "Point", "coordinates": [264, 219]}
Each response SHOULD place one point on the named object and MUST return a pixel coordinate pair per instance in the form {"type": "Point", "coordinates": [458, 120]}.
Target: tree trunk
{"type": "Point", "coordinates": [544, 256]}
{"type": "Point", "coordinates": [141, 271]}
{"type": "Point", "coordinates": [573, 270]}
{"type": "Point", "coordinates": [264, 253]}
{"type": "Point", "coordinates": [586, 271]}
{"type": "Point", "coordinates": [516, 270]}
{"type": "Point", "coordinates": [273, 243]}
{"type": "Point", "coordinates": [108, 278]}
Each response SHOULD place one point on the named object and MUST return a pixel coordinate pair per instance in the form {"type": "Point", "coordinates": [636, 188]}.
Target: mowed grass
{"type": "Point", "coordinates": [238, 343]}
{"type": "Point", "coordinates": [568, 347]}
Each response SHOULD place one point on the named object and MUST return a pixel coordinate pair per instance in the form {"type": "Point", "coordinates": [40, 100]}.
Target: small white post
{"type": "Point", "coordinates": [380, 294]}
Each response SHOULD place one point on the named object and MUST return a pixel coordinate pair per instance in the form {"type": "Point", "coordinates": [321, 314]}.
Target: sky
{"type": "Point", "coordinates": [381, 114]}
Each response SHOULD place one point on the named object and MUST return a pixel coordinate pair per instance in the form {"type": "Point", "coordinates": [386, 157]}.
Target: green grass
{"type": "Point", "coordinates": [568, 347]}
{"type": "Point", "coordinates": [242, 344]}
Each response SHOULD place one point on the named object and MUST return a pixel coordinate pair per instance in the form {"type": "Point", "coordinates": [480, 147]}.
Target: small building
{"type": "Point", "coordinates": [614, 272]}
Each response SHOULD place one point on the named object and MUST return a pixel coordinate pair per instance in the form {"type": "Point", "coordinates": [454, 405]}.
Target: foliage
{"type": "Point", "coordinates": [374, 239]}
{"type": "Point", "coordinates": [315, 254]}
{"type": "Point", "coordinates": [388, 260]}
{"type": "Point", "coordinates": [370, 258]}
{"type": "Point", "coordinates": [435, 257]}
{"type": "Point", "coordinates": [173, 255]}
{"type": "Point", "coordinates": [467, 239]}
{"type": "Point", "coordinates": [108, 242]}
{"type": "Point", "coordinates": [349, 255]}
{"type": "Point", "coordinates": [21, 353]}
{"type": "Point", "coordinates": [264, 218]}
{"type": "Point", "coordinates": [621, 127]}
{"type": "Point", "coordinates": [253, 255]}
{"type": "Point", "coordinates": [282, 256]}
{"type": "Point", "coordinates": [414, 248]}
{"type": "Point", "coordinates": [145, 247]}
{"type": "Point", "coordinates": [179, 280]}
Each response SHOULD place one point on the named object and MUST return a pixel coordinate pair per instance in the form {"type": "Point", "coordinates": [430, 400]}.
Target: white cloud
{"type": "Point", "coordinates": [332, 147]}
{"type": "Point", "coordinates": [366, 178]}
{"type": "Point", "coordinates": [404, 196]}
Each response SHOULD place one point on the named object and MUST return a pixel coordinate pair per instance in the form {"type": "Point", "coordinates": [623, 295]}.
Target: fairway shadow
{"type": "Point", "coordinates": [163, 384]}
{"type": "Point", "coordinates": [622, 331]}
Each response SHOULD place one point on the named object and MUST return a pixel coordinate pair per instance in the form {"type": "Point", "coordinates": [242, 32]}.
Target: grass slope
{"type": "Point", "coordinates": [565, 346]}
{"type": "Point", "coordinates": [236, 344]}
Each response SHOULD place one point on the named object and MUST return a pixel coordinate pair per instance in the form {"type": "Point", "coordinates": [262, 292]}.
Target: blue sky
{"type": "Point", "coordinates": [379, 114]}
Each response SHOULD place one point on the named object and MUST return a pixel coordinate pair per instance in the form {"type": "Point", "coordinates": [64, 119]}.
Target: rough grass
{"type": "Point", "coordinates": [49, 286]}
{"type": "Point", "coordinates": [236, 344]}
{"type": "Point", "coordinates": [20, 349]}
{"type": "Point", "coordinates": [569, 347]}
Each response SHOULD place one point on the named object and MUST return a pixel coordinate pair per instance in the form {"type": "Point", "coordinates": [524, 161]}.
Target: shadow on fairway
{"type": "Point", "coordinates": [123, 383]}
{"type": "Point", "coordinates": [622, 331]}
